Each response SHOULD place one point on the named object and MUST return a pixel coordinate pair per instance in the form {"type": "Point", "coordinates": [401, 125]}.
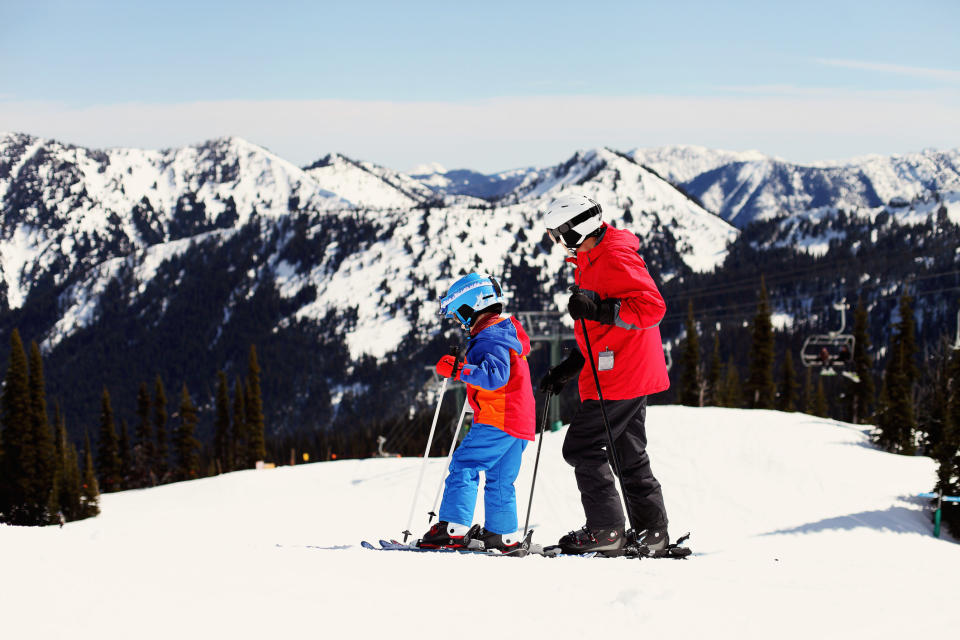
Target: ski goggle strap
{"type": "Point", "coordinates": [565, 233]}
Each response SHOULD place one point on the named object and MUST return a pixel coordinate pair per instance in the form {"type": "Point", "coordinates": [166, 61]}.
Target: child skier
{"type": "Point", "coordinates": [497, 377]}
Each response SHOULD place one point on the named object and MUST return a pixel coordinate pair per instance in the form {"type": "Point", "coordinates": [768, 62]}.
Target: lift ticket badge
{"type": "Point", "coordinates": [605, 360]}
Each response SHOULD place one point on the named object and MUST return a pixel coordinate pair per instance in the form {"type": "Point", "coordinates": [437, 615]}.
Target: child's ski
{"type": "Point", "coordinates": [393, 545]}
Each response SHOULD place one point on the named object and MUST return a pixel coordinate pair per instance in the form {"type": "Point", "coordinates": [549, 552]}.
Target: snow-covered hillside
{"type": "Point", "coordinates": [745, 186]}
{"type": "Point", "coordinates": [80, 219]}
{"type": "Point", "coordinates": [64, 207]}
{"type": "Point", "coordinates": [801, 530]}
{"type": "Point", "coordinates": [682, 163]}
{"type": "Point", "coordinates": [368, 185]}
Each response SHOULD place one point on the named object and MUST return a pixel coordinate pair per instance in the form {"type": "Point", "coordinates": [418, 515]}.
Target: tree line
{"type": "Point", "coordinates": [41, 480]}
{"type": "Point", "coordinates": [917, 409]}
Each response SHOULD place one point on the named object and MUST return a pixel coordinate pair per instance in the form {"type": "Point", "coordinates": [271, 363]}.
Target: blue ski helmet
{"type": "Point", "coordinates": [470, 295]}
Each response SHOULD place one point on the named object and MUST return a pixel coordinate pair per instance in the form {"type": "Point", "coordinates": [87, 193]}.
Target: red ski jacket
{"type": "Point", "coordinates": [629, 354]}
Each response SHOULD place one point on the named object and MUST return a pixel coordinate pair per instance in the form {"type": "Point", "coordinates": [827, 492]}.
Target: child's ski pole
{"type": "Point", "coordinates": [423, 465]}
{"type": "Point", "coordinates": [446, 465]}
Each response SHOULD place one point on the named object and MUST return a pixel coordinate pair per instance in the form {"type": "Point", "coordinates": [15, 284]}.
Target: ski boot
{"type": "Point", "coordinates": [508, 543]}
{"type": "Point", "coordinates": [608, 542]}
{"type": "Point", "coordinates": [443, 534]}
{"type": "Point", "coordinates": [654, 539]}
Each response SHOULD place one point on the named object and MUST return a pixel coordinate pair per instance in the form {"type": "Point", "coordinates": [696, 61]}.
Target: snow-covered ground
{"type": "Point", "coordinates": [801, 530]}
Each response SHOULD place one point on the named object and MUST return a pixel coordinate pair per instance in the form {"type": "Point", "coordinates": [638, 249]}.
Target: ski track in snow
{"type": "Point", "coordinates": [801, 530]}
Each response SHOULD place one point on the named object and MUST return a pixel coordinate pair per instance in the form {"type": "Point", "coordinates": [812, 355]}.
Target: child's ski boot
{"type": "Point", "coordinates": [443, 534]}
{"type": "Point", "coordinates": [508, 543]}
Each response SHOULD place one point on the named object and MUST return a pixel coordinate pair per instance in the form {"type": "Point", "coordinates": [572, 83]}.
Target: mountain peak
{"type": "Point", "coordinates": [427, 169]}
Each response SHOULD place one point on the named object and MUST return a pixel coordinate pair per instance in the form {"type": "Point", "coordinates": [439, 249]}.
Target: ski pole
{"type": "Point", "coordinates": [456, 434]}
{"type": "Point", "coordinates": [603, 411]}
{"type": "Point", "coordinates": [426, 454]}
{"type": "Point", "coordinates": [536, 463]}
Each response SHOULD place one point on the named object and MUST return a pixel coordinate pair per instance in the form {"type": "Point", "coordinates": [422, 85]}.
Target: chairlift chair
{"type": "Point", "coordinates": [831, 351]}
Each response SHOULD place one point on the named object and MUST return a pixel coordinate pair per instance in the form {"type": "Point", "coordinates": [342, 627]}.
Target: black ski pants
{"type": "Point", "coordinates": [585, 449]}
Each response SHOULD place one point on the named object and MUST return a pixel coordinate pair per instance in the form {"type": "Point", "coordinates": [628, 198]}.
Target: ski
{"type": "Point", "coordinates": [393, 545]}
{"type": "Point", "coordinates": [530, 549]}
{"type": "Point", "coordinates": [633, 550]}
{"type": "Point", "coordinates": [675, 550]}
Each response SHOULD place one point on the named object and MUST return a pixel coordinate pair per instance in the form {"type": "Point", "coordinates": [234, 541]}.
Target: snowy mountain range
{"type": "Point", "coordinates": [743, 187]}
{"type": "Point", "coordinates": [204, 247]}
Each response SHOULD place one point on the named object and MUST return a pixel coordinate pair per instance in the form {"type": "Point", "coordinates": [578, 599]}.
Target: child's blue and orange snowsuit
{"type": "Point", "coordinates": [499, 392]}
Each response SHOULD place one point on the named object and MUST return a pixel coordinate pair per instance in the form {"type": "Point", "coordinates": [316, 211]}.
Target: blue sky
{"type": "Point", "coordinates": [489, 86]}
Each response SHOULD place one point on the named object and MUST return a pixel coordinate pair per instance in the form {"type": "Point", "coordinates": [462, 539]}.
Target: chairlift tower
{"type": "Point", "coordinates": [547, 326]}
{"type": "Point", "coordinates": [956, 343]}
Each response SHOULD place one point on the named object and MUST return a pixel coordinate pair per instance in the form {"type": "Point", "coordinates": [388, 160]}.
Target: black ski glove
{"type": "Point", "coordinates": [562, 373]}
{"type": "Point", "coordinates": [587, 304]}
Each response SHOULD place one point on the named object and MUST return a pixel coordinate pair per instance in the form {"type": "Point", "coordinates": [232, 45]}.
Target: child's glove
{"type": "Point", "coordinates": [445, 367]}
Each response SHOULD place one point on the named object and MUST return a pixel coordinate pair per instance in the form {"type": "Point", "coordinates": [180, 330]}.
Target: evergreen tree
{"type": "Point", "coordinates": [239, 426]}
{"type": "Point", "coordinates": [90, 501]}
{"type": "Point", "coordinates": [125, 455]}
{"type": "Point", "coordinates": [934, 414]}
{"type": "Point", "coordinates": [947, 453]}
{"type": "Point", "coordinates": [108, 450]}
{"type": "Point", "coordinates": [187, 445]}
{"type": "Point", "coordinates": [820, 402]}
{"type": "Point", "coordinates": [46, 456]}
{"type": "Point", "coordinates": [144, 456]}
{"type": "Point", "coordinates": [809, 399]}
{"type": "Point", "coordinates": [221, 430]}
{"type": "Point", "coordinates": [18, 465]}
{"type": "Point", "coordinates": [896, 419]}
{"type": "Point", "coordinates": [691, 380]}
{"type": "Point", "coordinates": [732, 391]}
{"type": "Point", "coordinates": [256, 445]}
{"type": "Point", "coordinates": [788, 384]}
{"type": "Point", "coordinates": [760, 387]}
{"type": "Point", "coordinates": [714, 373]}
{"type": "Point", "coordinates": [68, 469]}
{"type": "Point", "coordinates": [71, 497]}
{"type": "Point", "coordinates": [861, 398]}
{"type": "Point", "coordinates": [59, 471]}
{"type": "Point", "coordinates": [160, 426]}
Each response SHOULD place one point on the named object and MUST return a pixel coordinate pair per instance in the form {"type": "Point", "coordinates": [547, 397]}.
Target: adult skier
{"type": "Point", "coordinates": [621, 308]}
{"type": "Point", "coordinates": [498, 384]}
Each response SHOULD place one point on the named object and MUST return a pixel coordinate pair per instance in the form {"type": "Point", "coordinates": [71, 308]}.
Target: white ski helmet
{"type": "Point", "coordinates": [571, 218]}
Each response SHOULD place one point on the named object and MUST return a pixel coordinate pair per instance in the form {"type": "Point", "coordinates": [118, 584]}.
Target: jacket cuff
{"type": "Point", "coordinates": [608, 311]}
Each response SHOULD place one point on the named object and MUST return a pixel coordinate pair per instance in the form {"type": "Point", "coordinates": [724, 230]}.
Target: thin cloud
{"type": "Point", "coordinates": [503, 133]}
{"type": "Point", "coordinates": [947, 75]}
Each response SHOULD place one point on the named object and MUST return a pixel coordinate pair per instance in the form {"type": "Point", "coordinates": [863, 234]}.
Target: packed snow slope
{"type": "Point", "coordinates": [801, 530]}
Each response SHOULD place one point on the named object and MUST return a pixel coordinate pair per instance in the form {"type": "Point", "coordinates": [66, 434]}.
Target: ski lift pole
{"type": "Point", "coordinates": [426, 454]}
{"type": "Point", "coordinates": [453, 444]}
{"type": "Point", "coordinates": [956, 344]}
{"type": "Point", "coordinates": [937, 515]}
{"type": "Point", "coordinates": [842, 308]}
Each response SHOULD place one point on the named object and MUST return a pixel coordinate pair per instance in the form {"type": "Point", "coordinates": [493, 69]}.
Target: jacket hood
{"type": "Point", "coordinates": [614, 240]}
{"type": "Point", "coordinates": [506, 331]}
